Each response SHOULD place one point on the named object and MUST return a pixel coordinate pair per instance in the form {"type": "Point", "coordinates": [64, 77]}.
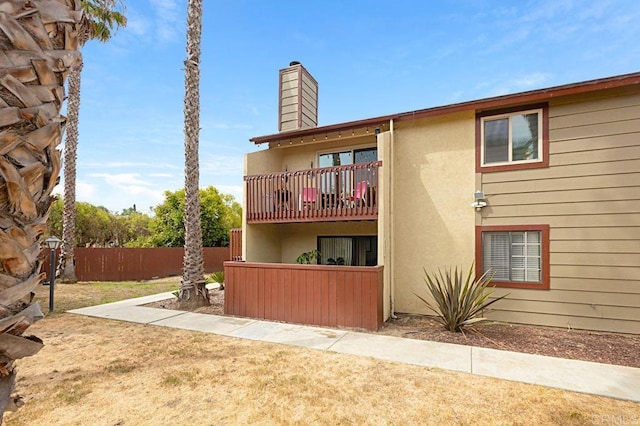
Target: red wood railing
{"type": "Point", "coordinates": [313, 195]}
{"type": "Point", "coordinates": [235, 244]}
{"type": "Point", "coordinates": [333, 296]}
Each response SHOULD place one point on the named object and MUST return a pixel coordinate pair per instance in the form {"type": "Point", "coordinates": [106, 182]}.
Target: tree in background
{"type": "Point", "coordinates": [39, 41]}
{"type": "Point", "coordinates": [99, 18]}
{"type": "Point", "coordinates": [95, 226]}
{"type": "Point", "coordinates": [193, 292]}
{"type": "Point", "coordinates": [219, 213]}
{"type": "Point", "coordinates": [133, 226]}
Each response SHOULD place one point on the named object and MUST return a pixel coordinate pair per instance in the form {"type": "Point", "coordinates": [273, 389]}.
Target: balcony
{"type": "Point", "coordinates": [326, 194]}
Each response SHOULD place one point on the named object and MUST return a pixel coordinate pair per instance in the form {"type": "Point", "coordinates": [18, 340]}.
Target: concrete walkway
{"type": "Point", "coordinates": [577, 376]}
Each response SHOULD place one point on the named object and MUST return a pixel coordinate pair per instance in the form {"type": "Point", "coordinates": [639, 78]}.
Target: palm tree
{"type": "Point", "coordinates": [193, 292]}
{"type": "Point", "coordinates": [99, 18]}
{"type": "Point", "coordinates": [40, 43]}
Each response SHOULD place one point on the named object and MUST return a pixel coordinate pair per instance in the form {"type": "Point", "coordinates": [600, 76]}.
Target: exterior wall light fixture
{"type": "Point", "coordinates": [479, 200]}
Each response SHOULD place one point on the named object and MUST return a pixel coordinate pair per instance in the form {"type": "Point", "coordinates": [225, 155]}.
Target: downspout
{"type": "Point", "coordinates": [392, 286]}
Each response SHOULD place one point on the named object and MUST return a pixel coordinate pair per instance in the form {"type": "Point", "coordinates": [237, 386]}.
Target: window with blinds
{"type": "Point", "coordinates": [513, 255]}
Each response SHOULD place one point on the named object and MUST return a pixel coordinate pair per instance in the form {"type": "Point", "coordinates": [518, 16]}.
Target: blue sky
{"type": "Point", "coordinates": [370, 58]}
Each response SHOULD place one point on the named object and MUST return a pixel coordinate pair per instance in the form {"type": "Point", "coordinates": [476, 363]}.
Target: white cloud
{"type": "Point", "coordinates": [121, 190]}
{"type": "Point", "coordinates": [168, 19]}
{"type": "Point", "coordinates": [217, 165]}
{"type": "Point", "coordinates": [517, 83]}
{"type": "Point", "coordinates": [85, 190]}
{"type": "Point", "coordinates": [138, 24]}
{"type": "Point", "coordinates": [235, 190]}
{"type": "Point", "coordinates": [121, 179]}
{"type": "Point", "coordinates": [128, 165]}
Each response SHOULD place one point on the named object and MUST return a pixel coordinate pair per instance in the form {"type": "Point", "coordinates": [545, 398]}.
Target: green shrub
{"type": "Point", "coordinates": [458, 301]}
{"type": "Point", "coordinates": [216, 277]}
{"type": "Point", "coordinates": [308, 257]}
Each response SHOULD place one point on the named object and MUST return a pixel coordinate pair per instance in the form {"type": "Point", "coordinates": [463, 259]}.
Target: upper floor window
{"type": "Point", "coordinates": [343, 158]}
{"type": "Point", "coordinates": [512, 139]}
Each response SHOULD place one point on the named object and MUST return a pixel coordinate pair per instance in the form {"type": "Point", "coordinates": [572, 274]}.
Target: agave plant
{"type": "Point", "coordinates": [216, 277]}
{"type": "Point", "coordinates": [458, 301]}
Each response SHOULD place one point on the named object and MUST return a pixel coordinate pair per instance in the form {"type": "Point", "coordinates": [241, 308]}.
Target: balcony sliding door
{"type": "Point", "coordinates": [342, 184]}
{"type": "Point", "coordinates": [348, 250]}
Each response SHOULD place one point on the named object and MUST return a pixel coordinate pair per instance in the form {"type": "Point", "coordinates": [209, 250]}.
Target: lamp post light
{"type": "Point", "coordinates": [53, 243]}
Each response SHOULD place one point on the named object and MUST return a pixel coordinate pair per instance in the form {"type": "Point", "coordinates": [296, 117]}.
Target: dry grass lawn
{"type": "Point", "coordinates": [103, 372]}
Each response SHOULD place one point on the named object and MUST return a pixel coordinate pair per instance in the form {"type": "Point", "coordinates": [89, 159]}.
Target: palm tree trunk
{"type": "Point", "coordinates": [193, 292]}
{"type": "Point", "coordinates": [39, 42]}
{"type": "Point", "coordinates": [67, 262]}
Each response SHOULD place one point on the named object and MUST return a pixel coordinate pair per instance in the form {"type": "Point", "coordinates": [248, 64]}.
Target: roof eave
{"type": "Point", "coordinates": [480, 104]}
{"type": "Point", "coordinates": [369, 122]}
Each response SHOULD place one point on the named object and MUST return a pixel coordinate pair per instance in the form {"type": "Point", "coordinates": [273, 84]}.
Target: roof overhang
{"type": "Point", "coordinates": [478, 105]}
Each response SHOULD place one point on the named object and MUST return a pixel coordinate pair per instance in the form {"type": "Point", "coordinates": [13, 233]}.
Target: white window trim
{"type": "Point", "coordinates": [510, 148]}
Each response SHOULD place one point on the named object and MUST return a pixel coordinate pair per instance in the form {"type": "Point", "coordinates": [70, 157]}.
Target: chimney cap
{"type": "Point", "coordinates": [292, 63]}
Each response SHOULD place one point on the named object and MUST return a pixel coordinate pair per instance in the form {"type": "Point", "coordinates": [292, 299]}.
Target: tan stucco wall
{"type": "Point", "coordinates": [385, 214]}
{"type": "Point", "coordinates": [283, 243]}
{"type": "Point", "coordinates": [259, 162]}
{"type": "Point", "coordinates": [298, 238]}
{"type": "Point", "coordinates": [262, 243]}
{"type": "Point", "coordinates": [433, 185]}
{"type": "Point", "coordinates": [265, 161]}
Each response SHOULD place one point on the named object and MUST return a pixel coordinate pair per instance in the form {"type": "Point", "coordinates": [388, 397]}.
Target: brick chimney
{"type": "Point", "coordinates": [297, 98]}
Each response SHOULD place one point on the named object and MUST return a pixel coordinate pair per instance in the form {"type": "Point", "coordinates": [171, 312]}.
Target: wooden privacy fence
{"type": "Point", "coordinates": [334, 296]}
{"type": "Point", "coordinates": [122, 264]}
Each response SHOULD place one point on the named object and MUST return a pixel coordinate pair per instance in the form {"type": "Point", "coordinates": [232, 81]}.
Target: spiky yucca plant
{"type": "Point", "coordinates": [216, 277]}
{"type": "Point", "coordinates": [458, 301]}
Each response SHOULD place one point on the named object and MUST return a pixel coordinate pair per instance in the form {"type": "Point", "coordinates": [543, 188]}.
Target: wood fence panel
{"type": "Point", "coordinates": [339, 296]}
{"type": "Point", "coordinates": [136, 264]}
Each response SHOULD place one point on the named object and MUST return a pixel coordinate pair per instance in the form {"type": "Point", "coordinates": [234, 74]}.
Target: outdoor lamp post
{"type": "Point", "coordinates": [53, 243]}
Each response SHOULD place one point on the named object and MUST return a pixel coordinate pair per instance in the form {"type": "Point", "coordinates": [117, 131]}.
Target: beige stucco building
{"type": "Point", "coordinates": [541, 187]}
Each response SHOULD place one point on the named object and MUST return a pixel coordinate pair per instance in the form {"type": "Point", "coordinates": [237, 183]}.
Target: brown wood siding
{"type": "Point", "coordinates": [235, 244]}
{"type": "Point", "coordinates": [332, 296]}
{"type": "Point", "coordinates": [590, 198]}
{"type": "Point", "coordinates": [135, 264]}
{"type": "Point", "coordinates": [298, 99]}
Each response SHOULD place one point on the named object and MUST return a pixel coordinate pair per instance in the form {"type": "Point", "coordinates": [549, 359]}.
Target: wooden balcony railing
{"type": "Point", "coordinates": [314, 195]}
